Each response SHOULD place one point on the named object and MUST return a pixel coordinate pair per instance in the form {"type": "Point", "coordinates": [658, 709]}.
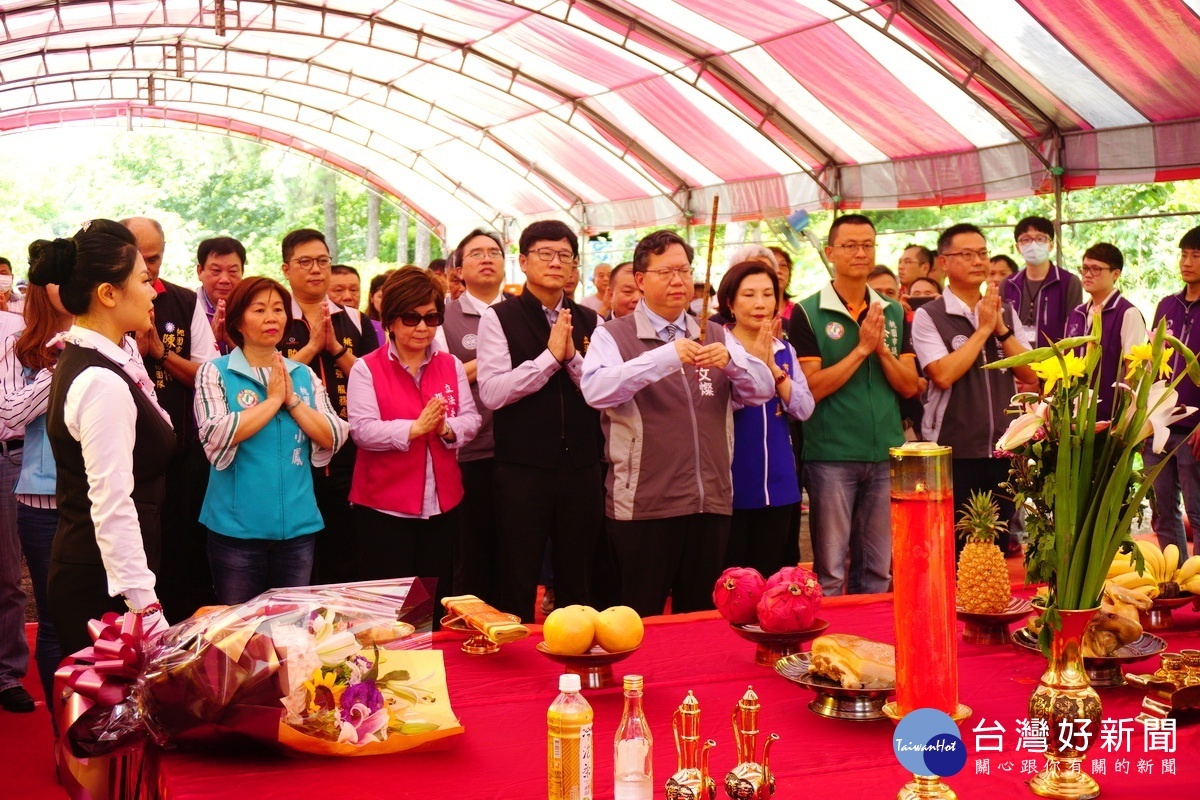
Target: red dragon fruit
{"type": "Point", "coordinates": [790, 603]}
{"type": "Point", "coordinates": [736, 595]}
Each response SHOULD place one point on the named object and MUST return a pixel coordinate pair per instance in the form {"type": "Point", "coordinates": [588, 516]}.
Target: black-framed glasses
{"type": "Point", "coordinates": [968, 255]}
{"type": "Point", "coordinates": [548, 254]}
{"type": "Point", "coordinates": [306, 262]}
{"type": "Point", "coordinates": [1092, 269]}
{"type": "Point", "coordinates": [411, 319]}
{"type": "Point", "coordinates": [850, 248]}
{"type": "Point", "coordinates": [1037, 239]}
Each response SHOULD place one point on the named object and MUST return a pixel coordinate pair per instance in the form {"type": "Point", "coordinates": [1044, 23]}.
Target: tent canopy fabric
{"type": "Point", "coordinates": [624, 113]}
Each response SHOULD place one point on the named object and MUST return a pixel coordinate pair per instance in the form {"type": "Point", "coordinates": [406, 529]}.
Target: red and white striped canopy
{"type": "Point", "coordinates": [619, 113]}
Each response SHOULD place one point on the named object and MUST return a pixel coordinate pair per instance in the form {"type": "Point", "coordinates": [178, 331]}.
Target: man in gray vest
{"type": "Point", "coordinates": [667, 404]}
{"type": "Point", "coordinates": [954, 337]}
{"type": "Point", "coordinates": [481, 258]}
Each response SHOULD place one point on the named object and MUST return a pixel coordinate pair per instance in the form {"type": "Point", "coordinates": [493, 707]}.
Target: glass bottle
{"type": "Point", "coordinates": [633, 760]}
{"type": "Point", "coordinates": [569, 743]}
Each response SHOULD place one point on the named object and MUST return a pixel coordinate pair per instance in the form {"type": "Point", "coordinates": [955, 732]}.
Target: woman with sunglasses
{"type": "Point", "coordinates": [410, 408]}
{"type": "Point", "coordinates": [264, 421]}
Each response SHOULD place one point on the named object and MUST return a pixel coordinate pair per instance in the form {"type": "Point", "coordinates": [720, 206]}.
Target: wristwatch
{"type": "Point", "coordinates": [1004, 338]}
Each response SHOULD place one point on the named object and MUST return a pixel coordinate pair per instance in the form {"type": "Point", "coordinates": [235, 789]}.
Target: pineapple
{"type": "Point", "coordinates": [983, 583]}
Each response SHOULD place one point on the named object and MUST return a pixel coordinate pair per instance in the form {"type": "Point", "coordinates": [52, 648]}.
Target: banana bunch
{"type": "Point", "coordinates": [1162, 576]}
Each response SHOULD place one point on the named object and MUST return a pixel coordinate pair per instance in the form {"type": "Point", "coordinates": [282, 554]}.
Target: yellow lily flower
{"type": "Point", "coordinates": [1051, 371]}
{"type": "Point", "coordinates": [1141, 354]}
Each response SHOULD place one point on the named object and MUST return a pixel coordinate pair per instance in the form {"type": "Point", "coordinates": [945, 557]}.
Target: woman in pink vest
{"type": "Point", "coordinates": [410, 408]}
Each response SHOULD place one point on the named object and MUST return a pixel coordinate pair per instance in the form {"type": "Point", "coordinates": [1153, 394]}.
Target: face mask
{"type": "Point", "coordinates": [1035, 253]}
{"type": "Point", "coordinates": [5, 283]}
{"type": "Point", "coordinates": [916, 302]}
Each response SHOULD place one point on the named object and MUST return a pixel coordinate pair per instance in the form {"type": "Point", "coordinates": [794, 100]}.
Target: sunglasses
{"type": "Point", "coordinates": [411, 319]}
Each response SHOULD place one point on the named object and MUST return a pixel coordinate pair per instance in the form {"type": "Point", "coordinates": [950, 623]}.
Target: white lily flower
{"type": "Point", "coordinates": [1020, 431]}
{"type": "Point", "coordinates": [333, 646]}
{"type": "Point", "coordinates": [1163, 410]}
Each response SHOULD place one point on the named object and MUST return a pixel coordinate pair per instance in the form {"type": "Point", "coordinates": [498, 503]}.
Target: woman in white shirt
{"type": "Point", "coordinates": [111, 440]}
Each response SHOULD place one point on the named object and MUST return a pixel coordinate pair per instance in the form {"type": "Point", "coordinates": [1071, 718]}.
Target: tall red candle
{"type": "Point", "coordinates": [923, 578]}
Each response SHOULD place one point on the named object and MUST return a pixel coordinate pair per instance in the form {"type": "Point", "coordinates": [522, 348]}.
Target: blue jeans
{"type": "Point", "coordinates": [1180, 475]}
{"type": "Point", "coordinates": [850, 517]}
{"type": "Point", "coordinates": [14, 648]}
{"type": "Point", "coordinates": [37, 527]}
{"type": "Point", "coordinates": [245, 568]}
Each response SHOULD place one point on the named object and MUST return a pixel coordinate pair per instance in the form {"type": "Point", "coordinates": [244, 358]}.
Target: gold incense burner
{"type": "Point", "coordinates": [691, 780]}
{"type": "Point", "coordinates": [750, 780]}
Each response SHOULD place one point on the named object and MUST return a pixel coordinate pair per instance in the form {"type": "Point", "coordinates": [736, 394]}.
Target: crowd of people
{"type": "Point", "coordinates": [167, 448]}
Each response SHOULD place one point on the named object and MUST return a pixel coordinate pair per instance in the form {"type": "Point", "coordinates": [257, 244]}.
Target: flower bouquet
{"type": "Point", "coordinates": [332, 670]}
{"type": "Point", "coordinates": [1080, 477]}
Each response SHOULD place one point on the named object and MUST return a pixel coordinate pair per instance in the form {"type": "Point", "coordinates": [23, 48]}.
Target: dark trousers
{"type": "Point", "coordinates": [184, 579]}
{"type": "Point", "coordinates": [334, 559]}
{"type": "Point", "coordinates": [77, 593]}
{"type": "Point", "coordinates": [563, 505]}
{"type": "Point", "coordinates": [981, 475]}
{"type": "Point", "coordinates": [402, 547]}
{"type": "Point", "coordinates": [36, 527]}
{"type": "Point", "coordinates": [762, 538]}
{"type": "Point", "coordinates": [475, 561]}
{"type": "Point", "coordinates": [678, 556]}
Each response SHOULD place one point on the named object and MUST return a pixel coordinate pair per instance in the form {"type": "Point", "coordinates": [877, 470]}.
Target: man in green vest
{"type": "Point", "coordinates": [855, 350]}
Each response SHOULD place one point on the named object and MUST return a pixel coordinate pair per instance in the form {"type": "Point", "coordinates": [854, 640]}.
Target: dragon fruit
{"type": "Point", "coordinates": [791, 603]}
{"type": "Point", "coordinates": [736, 595]}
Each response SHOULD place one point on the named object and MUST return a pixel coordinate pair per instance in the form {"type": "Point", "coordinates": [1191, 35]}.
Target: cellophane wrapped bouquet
{"type": "Point", "coordinates": [341, 670]}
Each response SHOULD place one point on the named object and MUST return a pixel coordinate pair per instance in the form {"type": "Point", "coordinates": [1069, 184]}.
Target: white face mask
{"type": "Point", "coordinates": [1035, 253]}
{"type": "Point", "coordinates": [6, 282]}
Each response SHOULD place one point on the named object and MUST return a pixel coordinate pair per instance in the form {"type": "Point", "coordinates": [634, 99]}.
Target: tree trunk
{"type": "Point", "coordinates": [329, 193]}
{"type": "Point", "coordinates": [421, 256]}
{"type": "Point", "coordinates": [373, 202]}
{"type": "Point", "coordinates": [402, 238]}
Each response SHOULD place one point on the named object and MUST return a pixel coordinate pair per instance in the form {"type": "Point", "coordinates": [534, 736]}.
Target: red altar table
{"type": "Point", "coordinates": [502, 700]}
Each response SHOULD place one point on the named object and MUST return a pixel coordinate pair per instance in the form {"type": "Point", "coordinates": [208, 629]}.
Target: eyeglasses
{"type": "Point", "coordinates": [1024, 240]}
{"type": "Point", "coordinates": [547, 255]}
{"type": "Point", "coordinates": [683, 273]}
{"type": "Point", "coordinates": [968, 255]}
{"type": "Point", "coordinates": [411, 319]}
{"type": "Point", "coordinates": [306, 262]}
{"type": "Point", "coordinates": [1091, 269]}
{"type": "Point", "coordinates": [1189, 255]}
{"type": "Point", "coordinates": [850, 248]}
{"type": "Point", "coordinates": [492, 253]}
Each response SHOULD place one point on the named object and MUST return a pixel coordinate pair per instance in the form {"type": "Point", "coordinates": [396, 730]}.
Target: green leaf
{"type": "Point", "coordinates": [394, 675]}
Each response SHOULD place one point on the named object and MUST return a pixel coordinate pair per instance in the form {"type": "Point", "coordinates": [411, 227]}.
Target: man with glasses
{"type": "Point", "coordinates": [321, 334]}
{"type": "Point", "coordinates": [547, 439]}
{"type": "Point", "coordinates": [480, 256]}
{"type": "Point", "coordinates": [916, 262]}
{"type": "Point", "coordinates": [954, 337]}
{"type": "Point", "coordinates": [668, 402]}
{"type": "Point", "coordinates": [177, 342]}
{"type": "Point", "coordinates": [1121, 324]}
{"type": "Point", "coordinates": [852, 344]}
{"type": "Point", "coordinates": [1042, 293]}
{"type": "Point", "coordinates": [1182, 473]}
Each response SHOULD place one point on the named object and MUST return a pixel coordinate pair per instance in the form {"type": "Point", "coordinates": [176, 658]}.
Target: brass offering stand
{"type": "Point", "coordinates": [834, 700]}
{"type": "Point", "coordinates": [1159, 617]}
{"type": "Point", "coordinates": [594, 667]}
{"type": "Point", "coordinates": [773, 646]}
{"type": "Point", "coordinates": [990, 629]}
{"type": "Point", "coordinates": [750, 780]}
{"type": "Point", "coordinates": [477, 642]}
{"type": "Point", "coordinates": [691, 780]}
{"type": "Point", "coordinates": [1172, 691]}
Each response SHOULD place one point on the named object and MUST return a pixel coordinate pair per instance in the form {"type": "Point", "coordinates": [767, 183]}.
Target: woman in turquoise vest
{"type": "Point", "coordinates": [28, 368]}
{"type": "Point", "coordinates": [264, 422]}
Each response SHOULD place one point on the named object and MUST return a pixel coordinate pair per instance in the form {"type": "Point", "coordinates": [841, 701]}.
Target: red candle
{"type": "Point", "coordinates": [923, 578]}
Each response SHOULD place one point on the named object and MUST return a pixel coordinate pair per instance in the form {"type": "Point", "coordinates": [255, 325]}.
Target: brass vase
{"type": "Point", "coordinates": [1065, 695]}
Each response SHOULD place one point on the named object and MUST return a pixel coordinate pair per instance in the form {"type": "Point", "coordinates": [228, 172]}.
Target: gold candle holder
{"type": "Point", "coordinates": [750, 780]}
{"type": "Point", "coordinates": [691, 780]}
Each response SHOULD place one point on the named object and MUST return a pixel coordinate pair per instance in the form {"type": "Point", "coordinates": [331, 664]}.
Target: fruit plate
{"type": "Point", "coordinates": [1103, 671]}
{"type": "Point", "coordinates": [774, 646]}
{"type": "Point", "coordinates": [1158, 618]}
{"type": "Point", "coordinates": [594, 667]}
{"type": "Point", "coordinates": [834, 700]}
{"type": "Point", "coordinates": [477, 643]}
{"type": "Point", "coordinates": [992, 628]}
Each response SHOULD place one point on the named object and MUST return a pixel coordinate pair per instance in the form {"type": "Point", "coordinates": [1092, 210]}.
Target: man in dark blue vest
{"type": "Point", "coordinates": [548, 442]}
{"type": "Point", "coordinates": [955, 336]}
{"type": "Point", "coordinates": [1121, 324]}
{"type": "Point", "coordinates": [173, 349]}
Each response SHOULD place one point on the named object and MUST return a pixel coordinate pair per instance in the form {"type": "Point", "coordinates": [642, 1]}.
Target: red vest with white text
{"type": "Point", "coordinates": [394, 480]}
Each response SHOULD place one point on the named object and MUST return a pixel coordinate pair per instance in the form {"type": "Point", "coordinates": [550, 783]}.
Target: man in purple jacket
{"type": "Point", "coordinates": [1042, 293]}
{"type": "Point", "coordinates": [1181, 474]}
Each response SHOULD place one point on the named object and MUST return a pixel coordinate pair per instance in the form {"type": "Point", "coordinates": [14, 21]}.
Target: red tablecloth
{"type": "Point", "coordinates": [502, 701]}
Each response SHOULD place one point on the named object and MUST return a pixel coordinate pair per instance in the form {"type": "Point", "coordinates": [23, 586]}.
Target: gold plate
{"type": "Point", "coordinates": [834, 700]}
{"type": "Point", "coordinates": [1103, 671]}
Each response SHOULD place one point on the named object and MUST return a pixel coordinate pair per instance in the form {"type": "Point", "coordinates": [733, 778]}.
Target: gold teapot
{"type": "Point", "coordinates": [691, 780]}
{"type": "Point", "coordinates": [750, 780]}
